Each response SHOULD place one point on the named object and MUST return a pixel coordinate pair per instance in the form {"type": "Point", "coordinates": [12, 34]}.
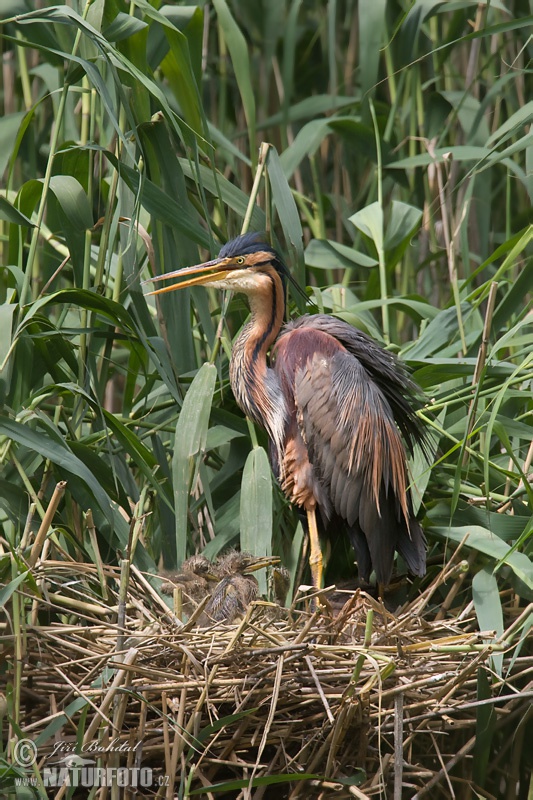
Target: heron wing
{"type": "Point", "coordinates": [231, 597]}
{"type": "Point", "coordinates": [385, 370]}
{"type": "Point", "coordinates": [357, 454]}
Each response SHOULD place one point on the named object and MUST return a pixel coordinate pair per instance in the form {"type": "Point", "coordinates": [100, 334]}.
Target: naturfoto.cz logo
{"type": "Point", "coordinates": [76, 771]}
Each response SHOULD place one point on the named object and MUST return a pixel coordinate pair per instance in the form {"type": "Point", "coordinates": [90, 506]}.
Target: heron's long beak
{"type": "Point", "coordinates": [261, 563]}
{"type": "Point", "coordinates": [208, 272]}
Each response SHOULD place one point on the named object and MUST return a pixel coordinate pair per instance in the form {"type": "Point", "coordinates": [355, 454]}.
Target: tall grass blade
{"type": "Point", "coordinates": [488, 607]}
{"type": "Point", "coordinates": [256, 508]}
{"type": "Point", "coordinates": [189, 444]}
{"type": "Point", "coordinates": [241, 65]}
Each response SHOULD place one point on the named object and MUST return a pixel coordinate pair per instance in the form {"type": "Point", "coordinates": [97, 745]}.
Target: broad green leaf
{"type": "Point", "coordinates": [498, 401]}
{"type": "Point", "coordinates": [443, 369]}
{"type": "Point", "coordinates": [372, 26]}
{"type": "Point", "coordinates": [15, 502]}
{"type": "Point", "coordinates": [484, 157]}
{"type": "Point", "coordinates": [238, 50]}
{"type": "Point", "coordinates": [326, 254]}
{"type": "Point", "coordinates": [423, 9]}
{"type": "Point", "coordinates": [139, 453]}
{"type": "Point", "coordinates": [219, 435]}
{"type": "Point", "coordinates": [232, 195]}
{"type": "Point", "coordinates": [513, 300]}
{"type": "Point", "coordinates": [359, 136]}
{"type": "Point", "coordinates": [58, 453]}
{"type": "Point", "coordinates": [306, 142]}
{"type": "Point", "coordinates": [7, 311]}
{"type": "Point", "coordinates": [403, 220]}
{"type": "Point", "coordinates": [123, 25]}
{"type": "Point", "coordinates": [411, 24]}
{"type": "Point", "coordinates": [310, 107]}
{"type": "Point", "coordinates": [190, 21]}
{"type": "Point", "coordinates": [312, 134]}
{"type": "Point", "coordinates": [172, 250]}
{"type": "Point", "coordinates": [360, 318]}
{"type": "Point", "coordinates": [369, 220]}
{"type": "Point", "coordinates": [290, 44]}
{"type": "Point", "coordinates": [505, 526]}
{"type": "Point", "coordinates": [453, 5]}
{"type": "Point", "coordinates": [228, 527]}
{"type": "Point", "coordinates": [9, 128]}
{"type": "Point", "coordinates": [523, 116]}
{"type": "Point", "coordinates": [115, 312]}
{"type": "Point", "coordinates": [256, 508]}
{"type": "Point", "coordinates": [225, 145]}
{"type": "Point", "coordinates": [7, 590]}
{"type": "Point", "coordinates": [487, 543]}
{"type": "Point", "coordinates": [420, 465]}
{"type": "Point", "coordinates": [443, 154]}
{"type": "Point", "coordinates": [440, 330]}
{"type": "Point", "coordinates": [467, 109]}
{"type": "Point", "coordinates": [485, 722]}
{"type": "Point", "coordinates": [60, 720]}
{"type": "Point", "coordinates": [12, 214]}
{"type": "Point", "coordinates": [287, 212]}
{"type": "Point", "coordinates": [162, 206]}
{"type": "Point", "coordinates": [177, 68]}
{"type": "Point", "coordinates": [486, 596]}
{"type": "Point", "coordinates": [221, 723]}
{"type": "Point", "coordinates": [412, 306]}
{"type": "Point", "coordinates": [73, 200]}
{"type": "Point", "coordinates": [189, 442]}
{"type": "Point", "coordinates": [295, 556]}
{"type": "Point", "coordinates": [68, 16]}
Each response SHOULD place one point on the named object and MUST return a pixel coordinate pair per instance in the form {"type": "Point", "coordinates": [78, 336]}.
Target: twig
{"type": "Point", "coordinates": [320, 691]}
{"type": "Point", "coordinates": [398, 745]}
{"type": "Point", "coordinates": [59, 491]}
{"type": "Point", "coordinates": [480, 364]}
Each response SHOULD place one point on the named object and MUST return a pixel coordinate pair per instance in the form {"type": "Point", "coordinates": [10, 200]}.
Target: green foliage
{"type": "Point", "coordinates": [130, 139]}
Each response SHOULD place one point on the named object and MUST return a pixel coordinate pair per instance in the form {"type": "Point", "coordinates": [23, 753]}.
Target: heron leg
{"type": "Point", "coordinates": [315, 556]}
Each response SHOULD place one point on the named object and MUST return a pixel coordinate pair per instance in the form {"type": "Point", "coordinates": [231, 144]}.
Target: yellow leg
{"type": "Point", "coordinates": [315, 556]}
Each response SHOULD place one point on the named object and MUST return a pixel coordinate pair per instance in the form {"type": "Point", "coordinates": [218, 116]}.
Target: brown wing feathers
{"type": "Point", "coordinates": [350, 434]}
{"type": "Point", "coordinates": [382, 366]}
{"type": "Point", "coordinates": [351, 400]}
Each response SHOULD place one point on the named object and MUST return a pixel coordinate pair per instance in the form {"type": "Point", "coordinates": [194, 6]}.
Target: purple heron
{"type": "Point", "coordinates": [339, 410]}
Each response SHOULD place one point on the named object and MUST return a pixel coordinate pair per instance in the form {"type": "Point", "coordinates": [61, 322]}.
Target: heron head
{"type": "Point", "coordinates": [234, 562]}
{"type": "Point", "coordinates": [241, 265]}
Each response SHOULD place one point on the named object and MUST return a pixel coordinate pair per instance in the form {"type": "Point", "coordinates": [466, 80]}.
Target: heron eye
{"type": "Point", "coordinates": [240, 259]}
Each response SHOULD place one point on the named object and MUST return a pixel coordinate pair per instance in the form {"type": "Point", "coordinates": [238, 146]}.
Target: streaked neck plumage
{"type": "Point", "coordinates": [254, 384]}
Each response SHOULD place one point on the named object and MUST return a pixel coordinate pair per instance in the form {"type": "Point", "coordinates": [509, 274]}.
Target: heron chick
{"type": "Point", "coordinates": [197, 578]}
{"type": "Point", "coordinates": [238, 587]}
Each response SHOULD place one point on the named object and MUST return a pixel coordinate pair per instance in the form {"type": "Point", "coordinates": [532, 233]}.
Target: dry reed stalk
{"type": "Point", "coordinates": [59, 491]}
{"type": "Point", "coordinates": [480, 364]}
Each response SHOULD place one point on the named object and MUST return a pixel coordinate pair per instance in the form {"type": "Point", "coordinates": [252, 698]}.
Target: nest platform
{"type": "Point", "coordinates": [285, 703]}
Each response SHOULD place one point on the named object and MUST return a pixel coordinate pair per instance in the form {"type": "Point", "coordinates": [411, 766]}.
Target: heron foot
{"type": "Point", "coordinates": [316, 562]}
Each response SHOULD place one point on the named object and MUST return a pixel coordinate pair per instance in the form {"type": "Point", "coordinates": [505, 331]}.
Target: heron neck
{"type": "Point", "coordinates": [251, 380]}
{"type": "Point", "coordinates": [267, 306]}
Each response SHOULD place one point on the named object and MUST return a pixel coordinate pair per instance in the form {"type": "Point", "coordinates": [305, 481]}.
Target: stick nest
{"type": "Point", "coordinates": [360, 702]}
